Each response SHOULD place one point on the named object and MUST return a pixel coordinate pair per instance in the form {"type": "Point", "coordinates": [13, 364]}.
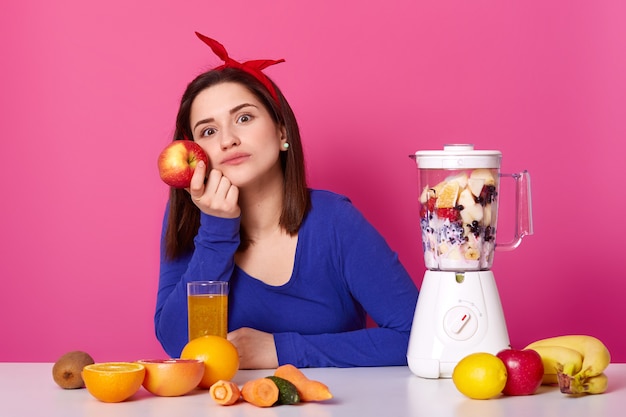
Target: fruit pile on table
{"type": "Point", "coordinates": [207, 362]}
{"type": "Point", "coordinates": [575, 363]}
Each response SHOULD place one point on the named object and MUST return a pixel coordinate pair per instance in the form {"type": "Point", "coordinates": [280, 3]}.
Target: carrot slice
{"type": "Point", "coordinates": [261, 392]}
{"type": "Point", "coordinates": [225, 392]}
{"type": "Point", "coordinates": [308, 389]}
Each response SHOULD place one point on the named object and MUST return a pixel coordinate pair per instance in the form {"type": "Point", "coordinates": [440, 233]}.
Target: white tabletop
{"type": "Point", "coordinates": [27, 389]}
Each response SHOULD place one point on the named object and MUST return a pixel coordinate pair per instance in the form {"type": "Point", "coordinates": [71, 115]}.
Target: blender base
{"type": "Point", "coordinates": [457, 313]}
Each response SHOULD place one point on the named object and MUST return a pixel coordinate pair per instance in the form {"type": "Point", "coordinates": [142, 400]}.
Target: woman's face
{"type": "Point", "coordinates": [237, 133]}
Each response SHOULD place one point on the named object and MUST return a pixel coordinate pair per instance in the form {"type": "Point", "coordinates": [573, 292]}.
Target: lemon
{"type": "Point", "coordinates": [480, 376]}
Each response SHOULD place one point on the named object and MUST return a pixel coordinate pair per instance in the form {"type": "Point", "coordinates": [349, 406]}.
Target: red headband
{"type": "Point", "coordinates": [251, 67]}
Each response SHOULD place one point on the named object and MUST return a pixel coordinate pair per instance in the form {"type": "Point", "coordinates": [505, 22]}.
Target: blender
{"type": "Point", "coordinates": [459, 311]}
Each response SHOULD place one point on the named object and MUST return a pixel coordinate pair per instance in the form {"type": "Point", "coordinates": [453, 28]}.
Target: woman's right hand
{"type": "Point", "coordinates": [216, 196]}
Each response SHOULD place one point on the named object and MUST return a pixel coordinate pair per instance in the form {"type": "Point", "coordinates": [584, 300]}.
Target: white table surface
{"type": "Point", "coordinates": [27, 389]}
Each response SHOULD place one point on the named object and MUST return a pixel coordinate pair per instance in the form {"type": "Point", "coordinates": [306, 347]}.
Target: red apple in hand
{"type": "Point", "coordinates": [178, 161]}
{"type": "Point", "coordinates": [524, 369]}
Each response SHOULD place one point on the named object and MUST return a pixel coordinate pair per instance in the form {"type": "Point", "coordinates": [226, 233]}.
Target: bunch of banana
{"type": "Point", "coordinates": [575, 362]}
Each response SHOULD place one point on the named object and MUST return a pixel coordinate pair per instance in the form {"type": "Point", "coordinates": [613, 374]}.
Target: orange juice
{"type": "Point", "coordinates": [208, 315]}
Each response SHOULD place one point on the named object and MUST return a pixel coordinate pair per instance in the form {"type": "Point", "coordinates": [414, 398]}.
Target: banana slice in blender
{"type": "Point", "coordinates": [472, 254]}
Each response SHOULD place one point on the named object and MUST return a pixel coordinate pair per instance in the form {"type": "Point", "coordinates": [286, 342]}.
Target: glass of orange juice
{"type": "Point", "coordinates": [207, 305]}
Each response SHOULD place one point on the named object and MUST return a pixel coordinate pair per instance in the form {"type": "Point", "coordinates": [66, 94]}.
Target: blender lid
{"type": "Point", "coordinates": [458, 156]}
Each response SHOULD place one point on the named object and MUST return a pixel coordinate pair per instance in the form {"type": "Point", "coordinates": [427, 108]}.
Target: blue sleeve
{"type": "Point", "coordinates": [212, 260]}
{"type": "Point", "coordinates": [379, 283]}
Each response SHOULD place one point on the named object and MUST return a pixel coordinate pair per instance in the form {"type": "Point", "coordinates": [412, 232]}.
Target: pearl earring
{"type": "Point", "coordinates": [285, 145]}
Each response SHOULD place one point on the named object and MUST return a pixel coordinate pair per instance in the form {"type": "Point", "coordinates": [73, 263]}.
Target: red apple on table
{"type": "Point", "coordinates": [524, 371]}
{"type": "Point", "coordinates": [178, 161]}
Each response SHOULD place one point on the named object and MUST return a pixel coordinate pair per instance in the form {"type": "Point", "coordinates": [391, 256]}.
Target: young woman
{"type": "Point", "coordinates": [304, 266]}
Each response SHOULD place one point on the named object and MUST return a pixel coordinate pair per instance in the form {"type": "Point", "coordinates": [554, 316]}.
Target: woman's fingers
{"type": "Point", "coordinates": [196, 187]}
{"type": "Point", "coordinates": [213, 181]}
{"type": "Point", "coordinates": [216, 196]}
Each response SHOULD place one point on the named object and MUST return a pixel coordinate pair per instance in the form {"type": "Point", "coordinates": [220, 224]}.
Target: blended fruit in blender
{"type": "Point", "coordinates": [458, 221]}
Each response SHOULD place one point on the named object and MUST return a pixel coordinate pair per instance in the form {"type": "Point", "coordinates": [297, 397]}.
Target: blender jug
{"type": "Point", "coordinates": [459, 207]}
{"type": "Point", "coordinates": [458, 311]}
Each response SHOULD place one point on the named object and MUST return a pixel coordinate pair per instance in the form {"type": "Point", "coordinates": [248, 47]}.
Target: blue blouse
{"type": "Point", "coordinates": [343, 271]}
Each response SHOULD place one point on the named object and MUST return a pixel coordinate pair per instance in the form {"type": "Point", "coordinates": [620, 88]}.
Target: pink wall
{"type": "Point", "coordinates": [88, 97]}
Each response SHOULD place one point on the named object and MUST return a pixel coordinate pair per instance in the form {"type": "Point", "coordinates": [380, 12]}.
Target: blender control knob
{"type": "Point", "coordinates": [460, 323]}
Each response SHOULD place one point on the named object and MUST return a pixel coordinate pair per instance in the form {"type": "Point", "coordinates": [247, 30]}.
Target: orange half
{"type": "Point", "coordinates": [113, 382]}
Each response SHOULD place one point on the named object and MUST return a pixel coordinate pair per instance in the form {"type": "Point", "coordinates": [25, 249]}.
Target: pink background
{"type": "Point", "coordinates": [89, 92]}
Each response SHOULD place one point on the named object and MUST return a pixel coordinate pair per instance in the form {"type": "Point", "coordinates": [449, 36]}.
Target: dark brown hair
{"type": "Point", "coordinates": [184, 217]}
